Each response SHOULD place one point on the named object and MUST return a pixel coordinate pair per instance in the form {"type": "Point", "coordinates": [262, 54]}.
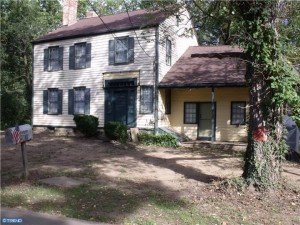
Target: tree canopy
{"type": "Point", "coordinates": [21, 22]}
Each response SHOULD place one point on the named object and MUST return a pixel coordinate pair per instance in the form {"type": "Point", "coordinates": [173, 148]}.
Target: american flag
{"type": "Point", "coordinates": [16, 134]}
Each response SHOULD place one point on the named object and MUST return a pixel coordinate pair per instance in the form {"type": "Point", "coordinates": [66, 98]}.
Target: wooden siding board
{"type": "Point", "coordinates": [90, 77]}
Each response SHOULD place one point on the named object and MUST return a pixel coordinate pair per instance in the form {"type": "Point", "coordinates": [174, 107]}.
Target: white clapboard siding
{"type": "Point", "coordinates": [91, 77]}
{"type": "Point", "coordinates": [144, 57]}
{"type": "Point", "coordinates": [180, 43]}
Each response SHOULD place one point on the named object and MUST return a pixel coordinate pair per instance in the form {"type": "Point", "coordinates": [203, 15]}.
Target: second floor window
{"type": "Point", "coordinates": [168, 52]}
{"type": "Point", "coordinates": [121, 50]}
{"type": "Point", "coordinates": [80, 56]}
{"type": "Point", "coordinates": [53, 58]}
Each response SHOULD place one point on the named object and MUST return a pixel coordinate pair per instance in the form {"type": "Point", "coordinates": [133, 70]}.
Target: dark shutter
{"type": "Point", "coordinates": [88, 55]}
{"type": "Point", "coordinates": [45, 102]}
{"type": "Point", "coordinates": [167, 101]}
{"type": "Point", "coordinates": [72, 58]}
{"type": "Point", "coordinates": [71, 102]}
{"type": "Point", "coordinates": [60, 101]}
{"type": "Point", "coordinates": [61, 58]}
{"type": "Point", "coordinates": [130, 50]}
{"type": "Point", "coordinates": [87, 96]}
{"type": "Point", "coordinates": [46, 59]}
{"type": "Point", "coordinates": [111, 49]}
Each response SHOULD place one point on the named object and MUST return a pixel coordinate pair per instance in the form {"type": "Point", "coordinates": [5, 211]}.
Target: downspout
{"type": "Point", "coordinates": [156, 71]}
{"type": "Point", "coordinates": [213, 116]}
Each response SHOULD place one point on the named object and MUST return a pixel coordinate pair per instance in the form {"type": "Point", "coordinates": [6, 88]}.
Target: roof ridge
{"type": "Point", "coordinates": [111, 14]}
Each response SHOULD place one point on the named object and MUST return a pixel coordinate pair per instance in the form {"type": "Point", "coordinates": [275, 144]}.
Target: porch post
{"type": "Point", "coordinates": [213, 116]}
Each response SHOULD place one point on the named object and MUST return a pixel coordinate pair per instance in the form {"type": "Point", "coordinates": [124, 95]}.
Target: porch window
{"type": "Point", "coordinates": [146, 99]}
{"type": "Point", "coordinates": [238, 113]}
{"type": "Point", "coordinates": [190, 113]}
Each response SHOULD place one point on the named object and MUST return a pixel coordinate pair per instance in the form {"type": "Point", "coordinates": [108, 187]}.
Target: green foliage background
{"type": "Point", "coordinates": [21, 22]}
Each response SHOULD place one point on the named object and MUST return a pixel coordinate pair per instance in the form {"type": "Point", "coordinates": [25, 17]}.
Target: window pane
{"type": "Point", "coordinates": [190, 113]}
{"type": "Point", "coordinates": [238, 110]}
{"type": "Point", "coordinates": [53, 101]}
{"type": "Point", "coordinates": [80, 56]}
{"type": "Point", "coordinates": [121, 49]}
{"type": "Point", "coordinates": [53, 58]}
{"type": "Point", "coordinates": [168, 52]}
{"type": "Point", "coordinates": [79, 101]}
{"type": "Point", "coordinates": [146, 99]}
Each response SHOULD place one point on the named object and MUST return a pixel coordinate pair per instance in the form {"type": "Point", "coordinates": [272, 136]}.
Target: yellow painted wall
{"type": "Point", "coordinates": [223, 99]}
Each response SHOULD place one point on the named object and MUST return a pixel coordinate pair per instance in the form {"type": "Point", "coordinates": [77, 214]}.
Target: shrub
{"type": "Point", "coordinates": [116, 130]}
{"type": "Point", "coordinates": [162, 140]}
{"type": "Point", "coordinates": [86, 124]}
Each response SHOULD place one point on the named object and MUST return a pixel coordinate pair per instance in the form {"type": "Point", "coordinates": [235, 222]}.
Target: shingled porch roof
{"type": "Point", "coordinates": [207, 66]}
{"type": "Point", "coordinates": [112, 23]}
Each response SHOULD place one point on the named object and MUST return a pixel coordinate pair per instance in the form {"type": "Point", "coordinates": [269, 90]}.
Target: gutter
{"type": "Point", "coordinates": [203, 85]}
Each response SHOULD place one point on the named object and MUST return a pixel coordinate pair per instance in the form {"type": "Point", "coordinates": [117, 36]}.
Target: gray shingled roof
{"type": "Point", "coordinates": [207, 66]}
{"type": "Point", "coordinates": [94, 26]}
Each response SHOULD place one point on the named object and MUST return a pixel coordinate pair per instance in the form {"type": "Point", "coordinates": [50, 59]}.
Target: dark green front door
{"type": "Point", "coordinates": [120, 105]}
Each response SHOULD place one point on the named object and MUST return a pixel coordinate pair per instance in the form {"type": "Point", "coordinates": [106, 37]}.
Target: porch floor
{"type": "Point", "coordinates": [226, 146]}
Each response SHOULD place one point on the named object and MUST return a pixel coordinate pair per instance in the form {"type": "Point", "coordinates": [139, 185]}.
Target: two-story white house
{"type": "Point", "coordinates": [106, 66]}
{"type": "Point", "coordinates": [138, 68]}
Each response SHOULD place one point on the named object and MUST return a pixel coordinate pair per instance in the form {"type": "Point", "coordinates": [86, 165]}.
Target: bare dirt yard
{"type": "Point", "coordinates": [134, 184]}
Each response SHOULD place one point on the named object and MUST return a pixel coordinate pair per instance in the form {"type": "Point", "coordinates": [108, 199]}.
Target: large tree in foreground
{"type": "Point", "coordinates": [272, 84]}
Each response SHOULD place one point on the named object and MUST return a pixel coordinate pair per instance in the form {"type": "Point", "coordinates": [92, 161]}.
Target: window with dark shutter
{"type": "Point", "coordinates": [121, 50]}
{"type": "Point", "coordinates": [79, 100]}
{"type": "Point", "coordinates": [146, 99]}
{"type": "Point", "coordinates": [190, 113]}
{"type": "Point", "coordinates": [52, 101]}
{"type": "Point", "coordinates": [53, 58]}
{"type": "Point", "coordinates": [238, 113]}
{"type": "Point", "coordinates": [80, 56]}
{"type": "Point", "coordinates": [168, 52]}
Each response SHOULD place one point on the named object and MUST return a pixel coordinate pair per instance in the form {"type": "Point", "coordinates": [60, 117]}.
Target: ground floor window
{"type": "Point", "coordinates": [190, 112]}
{"type": "Point", "coordinates": [52, 101]}
{"type": "Point", "coordinates": [79, 100]}
{"type": "Point", "coordinates": [146, 99]}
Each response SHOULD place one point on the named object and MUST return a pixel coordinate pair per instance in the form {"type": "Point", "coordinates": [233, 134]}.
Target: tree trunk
{"type": "Point", "coordinates": [264, 151]}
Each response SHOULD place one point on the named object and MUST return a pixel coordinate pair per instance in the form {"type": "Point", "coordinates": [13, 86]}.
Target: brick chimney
{"type": "Point", "coordinates": [91, 14]}
{"type": "Point", "coordinates": [69, 12]}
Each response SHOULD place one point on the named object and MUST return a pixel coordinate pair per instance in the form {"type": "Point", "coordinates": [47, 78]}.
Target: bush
{"type": "Point", "coordinates": [115, 130]}
{"type": "Point", "coordinates": [162, 140]}
{"type": "Point", "coordinates": [86, 124]}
